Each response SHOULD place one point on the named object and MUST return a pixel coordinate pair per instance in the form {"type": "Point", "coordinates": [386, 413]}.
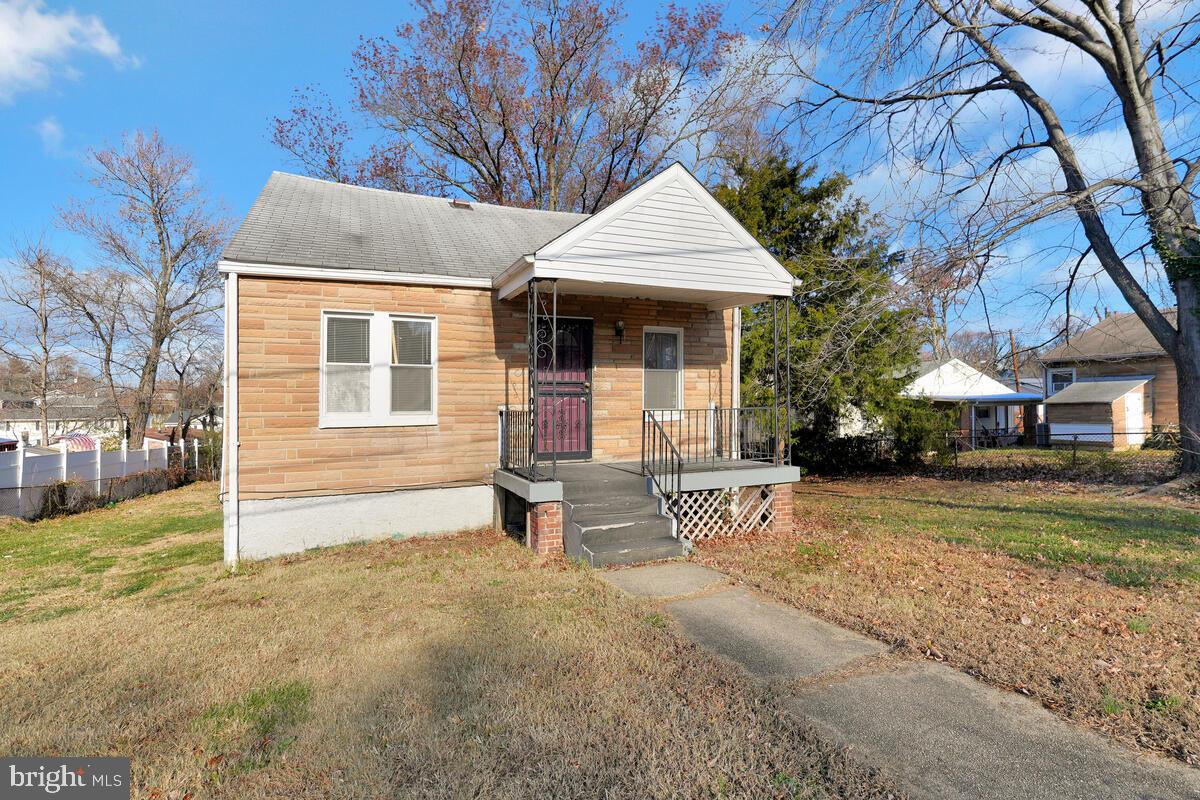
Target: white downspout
{"type": "Point", "coordinates": [229, 450]}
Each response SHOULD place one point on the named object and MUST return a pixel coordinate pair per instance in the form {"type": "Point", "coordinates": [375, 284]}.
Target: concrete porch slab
{"type": "Point", "coordinates": [768, 639]}
{"type": "Point", "coordinates": [664, 580]}
{"type": "Point", "coordinates": [941, 734]}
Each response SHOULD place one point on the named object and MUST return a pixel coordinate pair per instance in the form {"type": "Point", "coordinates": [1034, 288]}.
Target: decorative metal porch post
{"type": "Point", "coordinates": [531, 333]}
{"type": "Point", "coordinates": [541, 341]}
{"type": "Point", "coordinates": [787, 363]}
{"type": "Point", "coordinates": [775, 375]}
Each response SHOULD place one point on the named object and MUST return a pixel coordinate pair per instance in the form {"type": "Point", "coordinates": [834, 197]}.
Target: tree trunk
{"type": "Point", "coordinates": [1187, 367]}
{"type": "Point", "coordinates": [143, 400]}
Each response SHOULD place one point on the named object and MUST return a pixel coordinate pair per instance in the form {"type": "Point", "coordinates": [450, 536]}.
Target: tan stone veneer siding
{"type": "Point", "coordinates": [482, 357]}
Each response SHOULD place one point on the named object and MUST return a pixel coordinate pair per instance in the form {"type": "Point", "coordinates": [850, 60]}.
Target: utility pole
{"type": "Point", "coordinates": [1012, 346]}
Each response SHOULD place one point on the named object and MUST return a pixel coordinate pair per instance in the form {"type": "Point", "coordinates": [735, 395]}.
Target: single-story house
{"type": "Point", "coordinates": [990, 412]}
{"type": "Point", "coordinates": [1119, 348]}
{"type": "Point", "coordinates": [1100, 413]}
{"type": "Point", "coordinates": [197, 422]}
{"type": "Point", "coordinates": [398, 364]}
{"type": "Point", "coordinates": [69, 415]}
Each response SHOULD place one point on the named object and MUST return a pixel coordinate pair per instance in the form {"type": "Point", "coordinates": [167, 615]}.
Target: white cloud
{"type": "Point", "coordinates": [51, 132]}
{"type": "Point", "coordinates": [36, 43]}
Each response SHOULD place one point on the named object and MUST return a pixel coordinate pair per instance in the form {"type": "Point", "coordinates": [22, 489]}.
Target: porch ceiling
{"type": "Point", "coordinates": [514, 281]}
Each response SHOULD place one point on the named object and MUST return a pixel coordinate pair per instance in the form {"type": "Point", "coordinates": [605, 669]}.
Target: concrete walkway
{"type": "Point", "coordinates": [934, 731]}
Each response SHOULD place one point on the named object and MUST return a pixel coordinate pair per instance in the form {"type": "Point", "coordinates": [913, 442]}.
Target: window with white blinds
{"type": "Point", "coordinates": [662, 368]}
{"type": "Point", "coordinates": [348, 365]}
{"type": "Point", "coordinates": [378, 369]}
{"type": "Point", "coordinates": [412, 366]}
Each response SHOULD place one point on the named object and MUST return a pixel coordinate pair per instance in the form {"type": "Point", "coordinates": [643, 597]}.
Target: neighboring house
{"type": "Point", "coordinates": [197, 422]}
{"type": "Point", "coordinates": [1118, 349]}
{"type": "Point", "coordinates": [69, 414]}
{"type": "Point", "coordinates": [1106, 413]}
{"type": "Point", "coordinates": [11, 400]}
{"type": "Point", "coordinates": [988, 408]}
{"type": "Point", "coordinates": [378, 354]}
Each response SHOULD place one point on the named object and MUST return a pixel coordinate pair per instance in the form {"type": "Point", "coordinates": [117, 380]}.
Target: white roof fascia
{"type": "Point", "coordinates": [676, 172]}
{"type": "Point", "coordinates": [348, 275]}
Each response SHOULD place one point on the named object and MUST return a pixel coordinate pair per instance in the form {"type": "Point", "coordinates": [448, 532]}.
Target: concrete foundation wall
{"type": "Point", "coordinates": [289, 525]}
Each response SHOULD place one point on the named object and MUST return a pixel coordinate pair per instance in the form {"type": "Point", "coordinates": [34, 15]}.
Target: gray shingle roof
{"type": "Point", "coordinates": [1117, 336]}
{"type": "Point", "coordinates": [298, 221]}
{"type": "Point", "coordinates": [1094, 391]}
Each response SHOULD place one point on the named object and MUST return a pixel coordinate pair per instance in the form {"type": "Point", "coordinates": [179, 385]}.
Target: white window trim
{"type": "Point", "coordinates": [380, 415]}
{"type": "Point", "coordinates": [679, 392]}
{"type": "Point", "coordinates": [1050, 378]}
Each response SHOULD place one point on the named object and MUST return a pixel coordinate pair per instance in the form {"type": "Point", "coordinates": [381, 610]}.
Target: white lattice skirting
{"type": "Point", "coordinates": [726, 512]}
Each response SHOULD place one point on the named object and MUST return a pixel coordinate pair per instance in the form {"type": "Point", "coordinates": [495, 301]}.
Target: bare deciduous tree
{"type": "Point", "coordinates": [932, 78]}
{"type": "Point", "coordinates": [536, 103]}
{"type": "Point", "coordinates": [32, 330]}
{"type": "Point", "coordinates": [193, 360]}
{"type": "Point", "coordinates": [154, 225]}
{"type": "Point", "coordinates": [97, 307]}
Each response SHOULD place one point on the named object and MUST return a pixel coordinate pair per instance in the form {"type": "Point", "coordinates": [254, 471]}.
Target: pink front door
{"type": "Point", "coordinates": [564, 402]}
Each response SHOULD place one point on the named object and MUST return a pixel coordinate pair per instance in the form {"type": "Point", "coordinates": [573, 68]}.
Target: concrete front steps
{"type": "Point", "coordinates": [609, 517]}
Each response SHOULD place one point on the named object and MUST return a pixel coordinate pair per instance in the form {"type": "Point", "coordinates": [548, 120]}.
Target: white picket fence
{"type": "Point", "coordinates": [24, 475]}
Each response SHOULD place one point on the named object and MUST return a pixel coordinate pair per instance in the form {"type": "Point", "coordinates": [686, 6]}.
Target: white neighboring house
{"type": "Point", "coordinates": [69, 414]}
{"type": "Point", "coordinates": [197, 423]}
{"type": "Point", "coordinates": [989, 407]}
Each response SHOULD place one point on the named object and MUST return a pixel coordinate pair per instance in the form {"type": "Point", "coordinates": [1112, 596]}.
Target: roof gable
{"type": "Point", "coordinates": [669, 228]}
{"type": "Point", "coordinates": [954, 380]}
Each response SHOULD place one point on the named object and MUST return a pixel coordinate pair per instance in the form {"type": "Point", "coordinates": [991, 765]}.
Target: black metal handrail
{"type": "Point", "coordinates": [716, 434]}
{"type": "Point", "coordinates": [663, 464]}
{"type": "Point", "coordinates": [516, 441]}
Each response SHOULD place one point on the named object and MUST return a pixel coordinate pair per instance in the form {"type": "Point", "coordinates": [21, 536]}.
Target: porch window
{"type": "Point", "coordinates": [378, 369]}
{"type": "Point", "coordinates": [662, 363]}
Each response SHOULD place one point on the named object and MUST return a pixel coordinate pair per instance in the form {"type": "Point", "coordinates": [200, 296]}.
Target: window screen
{"type": "Point", "coordinates": [1061, 380]}
{"type": "Point", "coordinates": [412, 366]}
{"type": "Point", "coordinates": [661, 363]}
{"type": "Point", "coordinates": [347, 365]}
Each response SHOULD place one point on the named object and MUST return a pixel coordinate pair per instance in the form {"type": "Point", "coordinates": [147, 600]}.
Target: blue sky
{"type": "Point", "coordinates": [211, 76]}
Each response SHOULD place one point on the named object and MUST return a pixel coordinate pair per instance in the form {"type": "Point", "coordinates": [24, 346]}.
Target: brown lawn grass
{"type": "Point", "coordinates": [1085, 465]}
{"type": "Point", "coordinates": [1087, 601]}
{"type": "Point", "coordinates": [447, 667]}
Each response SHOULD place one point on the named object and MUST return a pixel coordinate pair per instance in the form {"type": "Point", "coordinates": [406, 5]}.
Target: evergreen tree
{"type": "Point", "coordinates": [851, 337]}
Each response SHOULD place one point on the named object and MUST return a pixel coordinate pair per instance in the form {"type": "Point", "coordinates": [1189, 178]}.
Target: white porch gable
{"type": "Point", "coordinates": [668, 239]}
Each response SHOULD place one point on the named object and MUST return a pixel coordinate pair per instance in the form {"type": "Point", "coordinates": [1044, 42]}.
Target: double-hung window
{"type": "Point", "coordinates": [378, 369]}
{"type": "Point", "coordinates": [662, 368]}
{"type": "Point", "coordinates": [1061, 379]}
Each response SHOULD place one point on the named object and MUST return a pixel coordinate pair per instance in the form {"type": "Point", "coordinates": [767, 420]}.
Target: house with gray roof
{"type": "Point", "coordinates": [1119, 350]}
{"type": "Point", "coordinates": [399, 364]}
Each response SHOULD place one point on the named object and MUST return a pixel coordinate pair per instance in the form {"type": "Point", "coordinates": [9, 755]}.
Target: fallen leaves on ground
{"type": "Point", "coordinates": [1122, 659]}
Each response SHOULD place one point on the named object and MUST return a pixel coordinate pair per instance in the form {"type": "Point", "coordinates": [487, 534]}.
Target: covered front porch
{"type": "Point", "coordinates": [651, 383]}
{"type": "Point", "coordinates": [623, 440]}
{"type": "Point", "coordinates": [625, 437]}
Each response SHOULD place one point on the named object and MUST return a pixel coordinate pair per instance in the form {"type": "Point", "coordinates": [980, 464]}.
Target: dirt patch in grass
{"type": "Point", "coordinates": [449, 667]}
{"type": "Point", "coordinates": [1087, 602]}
